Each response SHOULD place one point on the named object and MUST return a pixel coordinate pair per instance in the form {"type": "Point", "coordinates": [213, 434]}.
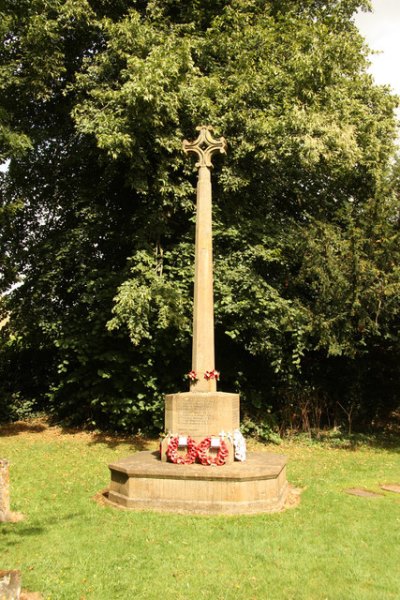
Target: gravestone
{"type": "Point", "coordinates": [4, 490]}
{"type": "Point", "coordinates": [202, 417]}
{"type": "Point", "coordinates": [10, 585]}
{"type": "Point", "coordinates": [6, 515]}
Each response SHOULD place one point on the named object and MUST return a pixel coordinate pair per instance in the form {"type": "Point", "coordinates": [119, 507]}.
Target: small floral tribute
{"type": "Point", "coordinates": [239, 444]}
{"type": "Point", "coordinates": [212, 375]}
{"type": "Point", "coordinates": [192, 375]}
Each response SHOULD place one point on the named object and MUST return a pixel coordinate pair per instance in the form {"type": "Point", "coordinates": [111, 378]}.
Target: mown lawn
{"type": "Point", "coordinates": [332, 546]}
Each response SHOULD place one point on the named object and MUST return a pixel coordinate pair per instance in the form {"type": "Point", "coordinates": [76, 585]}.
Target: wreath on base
{"type": "Point", "coordinates": [206, 458]}
{"type": "Point", "coordinates": [179, 459]}
{"type": "Point", "coordinates": [200, 452]}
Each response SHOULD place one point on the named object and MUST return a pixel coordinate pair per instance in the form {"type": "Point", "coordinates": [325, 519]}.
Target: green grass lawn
{"type": "Point", "coordinates": [332, 546]}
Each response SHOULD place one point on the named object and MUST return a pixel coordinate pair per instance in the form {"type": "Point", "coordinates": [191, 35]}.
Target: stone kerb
{"type": "Point", "coordinates": [142, 482]}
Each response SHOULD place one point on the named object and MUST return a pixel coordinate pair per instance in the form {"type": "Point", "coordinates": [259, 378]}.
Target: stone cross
{"type": "Point", "coordinates": [203, 353]}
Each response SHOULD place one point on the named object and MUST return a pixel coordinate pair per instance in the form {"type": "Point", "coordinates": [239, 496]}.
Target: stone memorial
{"type": "Point", "coordinates": [202, 465]}
{"type": "Point", "coordinates": [203, 412]}
{"type": "Point", "coordinates": [6, 515]}
{"type": "Point", "coordinates": [4, 490]}
{"type": "Point", "coordinates": [10, 585]}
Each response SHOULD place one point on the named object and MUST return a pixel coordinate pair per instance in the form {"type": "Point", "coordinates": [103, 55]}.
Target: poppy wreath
{"type": "Point", "coordinates": [178, 459]}
{"type": "Point", "coordinates": [206, 459]}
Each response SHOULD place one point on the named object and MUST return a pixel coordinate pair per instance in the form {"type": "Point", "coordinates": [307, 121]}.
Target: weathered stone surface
{"type": "Point", "coordinates": [143, 482]}
{"type": "Point", "coordinates": [4, 490]}
{"type": "Point", "coordinates": [10, 585]}
{"type": "Point", "coordinates": [201, 413]}
{"type": "Point", "coordinates": [203, 358]}
{"type": "Point", "coordinates": [6, 516]}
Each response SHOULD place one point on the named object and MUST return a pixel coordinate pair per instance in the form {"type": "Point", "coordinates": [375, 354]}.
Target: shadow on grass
{"type": "Point", "coordinates": [382, 441]}
{"type": "Point", "coordinates": [21, 531]}
{"type": "Point", "coordinates": [43, 425]}
{"type": "Point", "coordinates": [10, 534]}
{"type": "Point", "coordinates": [10, 429]}
{"type": "Point", "coordinates": [137, 442]}
{"type": "Point", "coordinates": [339, 440]}
{"type": "Point", "coordinates": [111, 440]}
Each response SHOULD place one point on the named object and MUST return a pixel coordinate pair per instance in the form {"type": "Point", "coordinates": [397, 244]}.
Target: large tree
{"type": "Point", "coordinates": [98, 203]}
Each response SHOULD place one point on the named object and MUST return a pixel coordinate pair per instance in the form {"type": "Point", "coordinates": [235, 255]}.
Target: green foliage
{"type": "Point", "coordinates": [353, 280]}
{"type": "Point", "coordinates": [154, 299]}
{"type": "Point", "coordinates": [261, 428]}
{"type": "Point", "coordinates": [97, 208]}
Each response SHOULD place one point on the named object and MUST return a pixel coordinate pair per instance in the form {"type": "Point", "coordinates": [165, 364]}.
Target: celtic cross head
{"type": "Point", "coordinates": [205, 146]}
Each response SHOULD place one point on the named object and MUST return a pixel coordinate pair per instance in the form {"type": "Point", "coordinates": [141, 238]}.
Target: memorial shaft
{"type": "Point", "coordinates": [203, 353]}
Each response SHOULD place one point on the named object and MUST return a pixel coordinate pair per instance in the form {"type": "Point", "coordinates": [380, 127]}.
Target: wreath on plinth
{"type": "Point", "coordinates": [206, 458]}
{"type": "Point", "coordinates": [193, 452]}
{"type": "Point", "coordinates": [179, 459]}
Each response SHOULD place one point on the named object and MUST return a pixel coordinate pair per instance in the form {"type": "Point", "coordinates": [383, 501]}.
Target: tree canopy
{"type": "Point", "coordinates": [97, 207]}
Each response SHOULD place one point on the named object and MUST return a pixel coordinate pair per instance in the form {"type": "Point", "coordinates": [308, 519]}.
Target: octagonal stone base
{"type": "Point", "coordinates": [143, 482]}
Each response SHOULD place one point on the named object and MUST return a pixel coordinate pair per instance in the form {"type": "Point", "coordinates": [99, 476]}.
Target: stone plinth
{"type": "Point", "coordinates": [143, 482]}
{"type": "Point", "coordinates": [200, 414]}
